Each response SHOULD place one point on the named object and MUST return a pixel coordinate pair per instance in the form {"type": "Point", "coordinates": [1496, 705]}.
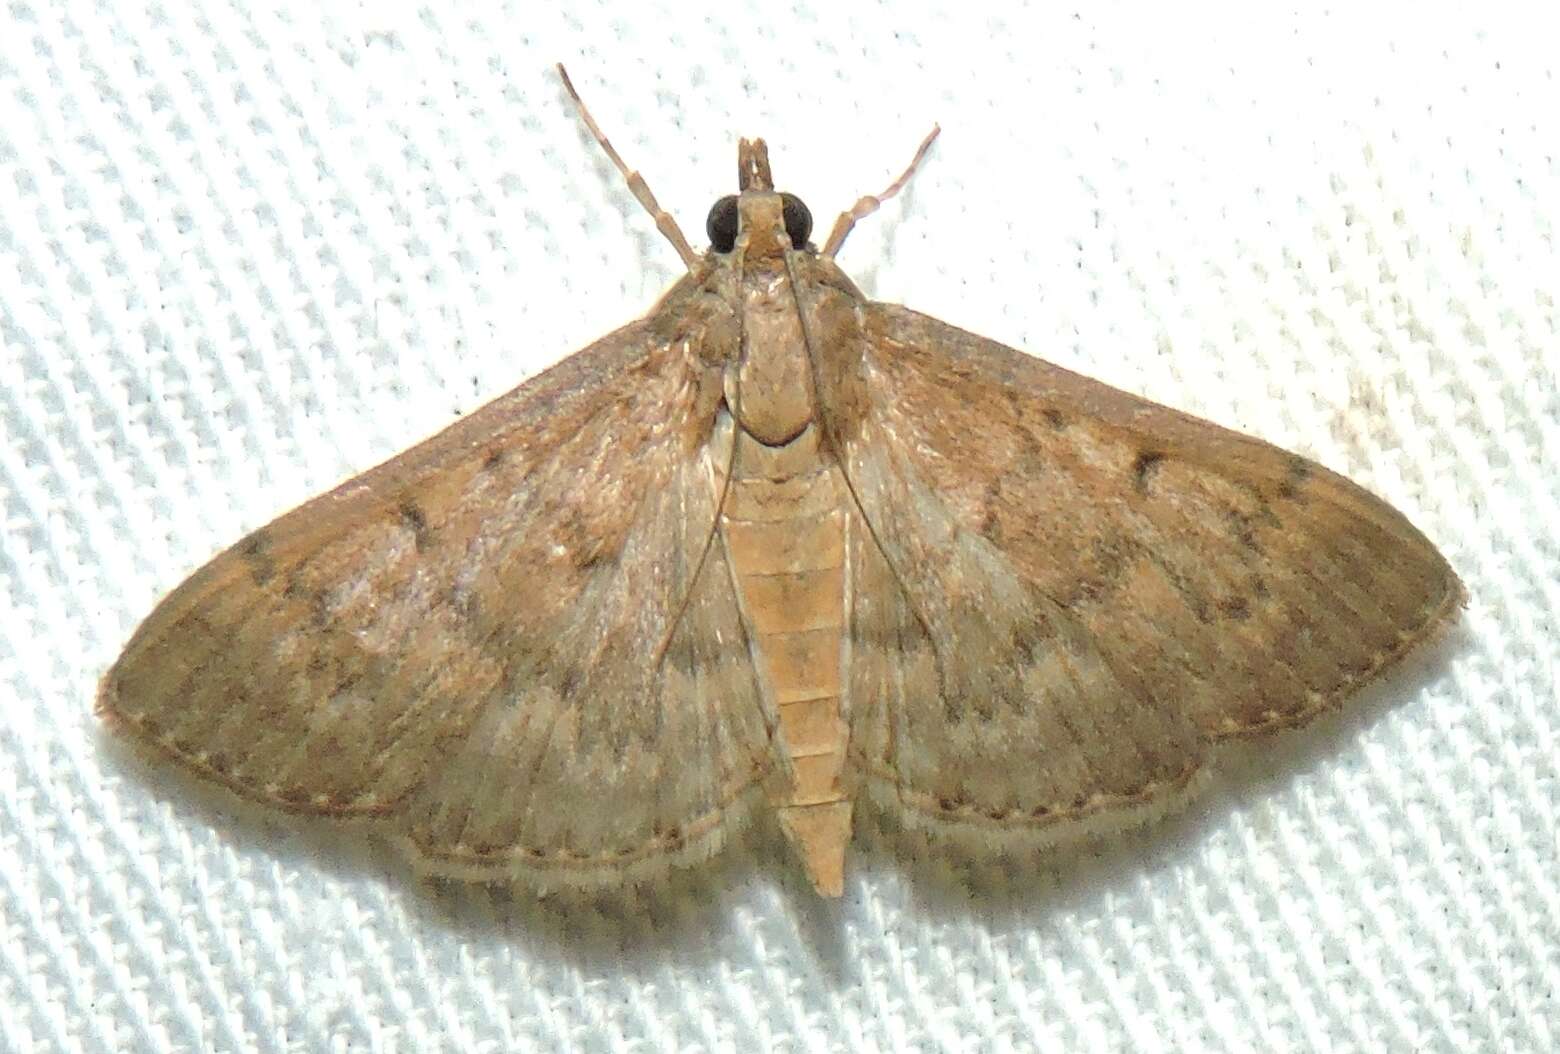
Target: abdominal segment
{"type": "Point", "coordinates": [784, 526]}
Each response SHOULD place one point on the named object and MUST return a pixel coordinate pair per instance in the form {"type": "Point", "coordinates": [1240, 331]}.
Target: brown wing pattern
{"type": "Point", "coordinates": [462, 643]}
{"type": "Point", "coordinates": [1068, 592]}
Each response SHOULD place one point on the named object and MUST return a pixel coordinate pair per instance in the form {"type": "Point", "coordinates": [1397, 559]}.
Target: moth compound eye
{"type": "Point", "coordinates": [721, 224]}
{"type": "Point", "coordinates": [798, 220]}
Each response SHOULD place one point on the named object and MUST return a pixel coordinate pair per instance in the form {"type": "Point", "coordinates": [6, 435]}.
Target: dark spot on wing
{"type": "Point", "coordinates": [1235, 608]}
{"type": "Point", "coordinates": [416, 521]}
{"type": "Point", "coordinates": [584, 546]}
{"type": "Point", "coordinates": [1194, 601]}
{"type": "Point", "coordinates": [1030, 638]}
{"type": "Point", "coordinates": [1024, 647]}
{"type": "Point", "coordinates": [256, 552]}
{"type": "Point", "coordinates": [990, 523]}
{"type": "Point", "coordinates": [595, 556]}
{"type": "Point", "coordinates": [685, 657]}
{"type": "Point", "coordinates": [1031, 459]}
{"type": "Point", "coordinates": [1103, 573]}
{"type": "Point", "coordinates": [1054, 418]}
{"type": "Point", "coordinates": [1299, 473]}
{"type": "Point", "coordinates": [320, 610]}
{"type": "Point", "coordinates": [495, 457]}
{"type": "Point", "coordinates": [1144, 466]}
{"type": "Point", "coordinates": [1244, 530]}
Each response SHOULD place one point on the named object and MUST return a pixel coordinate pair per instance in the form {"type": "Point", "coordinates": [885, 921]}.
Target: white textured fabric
{"type": "Point", "coordinates": [247, 249]}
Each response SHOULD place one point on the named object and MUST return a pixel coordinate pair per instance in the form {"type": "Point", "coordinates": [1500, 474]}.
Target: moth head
{"type": "Point", "coordinates": [771, 222]}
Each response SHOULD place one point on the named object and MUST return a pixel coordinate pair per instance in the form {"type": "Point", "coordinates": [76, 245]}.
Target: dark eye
{"type": "Point", "coordinates": [798, 221]}
{"type": "Point", "coordinates": [721, 224]}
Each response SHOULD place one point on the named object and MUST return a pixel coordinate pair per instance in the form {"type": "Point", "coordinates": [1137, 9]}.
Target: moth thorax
{"type": "Point", "coordinates": [770, 387]}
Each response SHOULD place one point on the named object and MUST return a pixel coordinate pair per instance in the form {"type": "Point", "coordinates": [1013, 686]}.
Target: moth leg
{"type": "Point", "coordinates": [636, 183]}
{"type": "Point", "coordinates": [871, 203]}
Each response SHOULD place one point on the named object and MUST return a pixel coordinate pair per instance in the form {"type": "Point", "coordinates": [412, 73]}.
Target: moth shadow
{"type": "Point", "coordinates": [685, 919]}
{"type": "Point", "coordinates": [641, 927]}
{"type": "Point", "coordinates": [1010, 880]}
{"type": "Point", "coordinates": [338, 848]}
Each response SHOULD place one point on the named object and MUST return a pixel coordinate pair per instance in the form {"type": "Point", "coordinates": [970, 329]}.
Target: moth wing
{"type": "Point", "coordinates": [1067, 593]}
{"type": "Point", "coordinates": [463, 643]}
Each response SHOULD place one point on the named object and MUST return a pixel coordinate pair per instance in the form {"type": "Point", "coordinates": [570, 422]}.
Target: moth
{"type": "Point", "coordinates": [774, 546]}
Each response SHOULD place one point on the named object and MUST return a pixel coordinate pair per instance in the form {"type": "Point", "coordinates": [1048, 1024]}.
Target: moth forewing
{"type": "Point", "coordinates": [1105, 586]}
{"type": "Point", "coordinates": [774, 543]}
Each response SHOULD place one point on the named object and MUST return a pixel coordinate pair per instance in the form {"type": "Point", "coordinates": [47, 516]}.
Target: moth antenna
{"type": "Point", "coordinates": [636, 183]}
{"type": "Point", "coordinates": [872, 202]}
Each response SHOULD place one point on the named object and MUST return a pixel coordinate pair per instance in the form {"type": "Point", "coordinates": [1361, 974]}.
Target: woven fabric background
{"type": "Point", "coordinates": [247, 249]}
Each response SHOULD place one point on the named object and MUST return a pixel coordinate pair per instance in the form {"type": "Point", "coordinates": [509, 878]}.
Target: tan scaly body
{"type": "Point", "coordinates": [783, 525]}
